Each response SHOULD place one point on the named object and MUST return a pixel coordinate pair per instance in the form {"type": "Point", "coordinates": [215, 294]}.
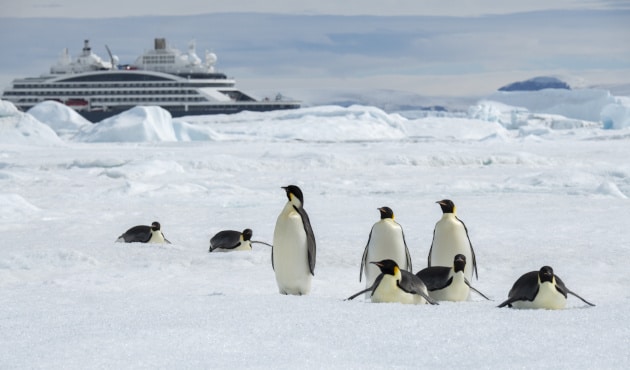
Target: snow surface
{"type": "Point", "coordinates": [531, 193]}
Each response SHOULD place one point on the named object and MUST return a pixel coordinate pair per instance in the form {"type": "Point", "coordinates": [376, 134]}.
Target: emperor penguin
{"type": "Point", "coordinates": [232, 240]}
{"type": "Point", "coordinates": [386, 241]}
{"type": "Point", "coordinates": [448, 283]}
{"type": "Point", "coordinates": [539, 289]}
{"type": "Point", "coordinates": [396, 285]}
{"type": "Point", "coordinates": [450, 238]}
{"type": "Point", "coordinates": [144, 234]}
{"type": "Point", "coordinates": [293, 250]}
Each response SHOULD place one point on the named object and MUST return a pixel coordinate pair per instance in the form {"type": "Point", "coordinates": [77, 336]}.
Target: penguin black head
{"type": "Point", "coordinates": [155, 226]}
{"type": "Point", "coordinates": [247, 234]}
{"type": "Point", "coordinates": [386, 212]}
{"type": "Point", "coordinates": [545, 274]}
{"type": "Point", "coordinates": [296, 191]}
{"type": "Point", "coordinates": [389, 267]}
{"type": "Point", "coordinates": [459, 263]}
{"type": "Point", "coordinates": [447, 205]}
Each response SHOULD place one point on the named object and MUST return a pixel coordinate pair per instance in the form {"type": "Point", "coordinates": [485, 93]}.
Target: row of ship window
{"type": "Point", "coordinates": [104, 92]}
{"type": "Point", "coordinates": [115, 86]}
{"type": "Point", "coordinates": [154, 99]}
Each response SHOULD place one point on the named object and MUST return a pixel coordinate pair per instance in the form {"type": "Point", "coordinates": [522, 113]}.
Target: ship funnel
{"type": "Point", "coordinates": [160, 43]}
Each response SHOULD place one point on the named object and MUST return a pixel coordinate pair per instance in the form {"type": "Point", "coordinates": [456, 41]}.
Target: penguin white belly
{"type": "Point", "coordinates": [548, 297]}
{"type": "Point", "coordinates": [388, 291]}
{"type": "Point", "coordinates": [245, 246]}
{"type": "Point", "coordinates": [457, 291]}
{"type": "Point", "coordinates": [156, 237]}
{"type": "Point", "coordinates": [449, 240]}
{"type": "Point", "coordinates": [290, 254]}
{"type": "Point", "coordinates": [386, 242]}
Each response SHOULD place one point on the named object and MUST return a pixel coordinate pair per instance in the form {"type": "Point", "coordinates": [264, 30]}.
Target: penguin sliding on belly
{"type": "Point", "coordinates": [386, 241]}
{"type": "Point", "coordinates": [539, 289]}
{"type": "Point", "coordinates": [144, 234]}
{"type": "Point", "coordinates": [293, 250]}
{"type": "Point", "coordinates": [450, 238]}
{"type": "Point", "coordinates": [396, 285]}
{"type": "Point", "coordinates": [232, 240]}
{"type": "Point", "coordinates": [448, 283]}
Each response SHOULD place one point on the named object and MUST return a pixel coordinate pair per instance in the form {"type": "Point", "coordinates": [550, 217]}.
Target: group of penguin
{"type": "Point", "coordinates": [386, 262]}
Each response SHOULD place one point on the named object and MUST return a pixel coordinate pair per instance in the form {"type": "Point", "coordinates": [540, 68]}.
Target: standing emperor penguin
{"type": "Point", "coordinates": [386, 241]}
{"type": "Point", "coordinates": [450, 238]}
{"type": "Point", "coordinates": [293, 250]}
{"type": "Point", "coordinates": [539, 289]}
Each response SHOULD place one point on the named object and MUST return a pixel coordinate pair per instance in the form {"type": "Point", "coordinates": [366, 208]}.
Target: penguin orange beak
{"type": "Point", "coordinates": [377, 264]}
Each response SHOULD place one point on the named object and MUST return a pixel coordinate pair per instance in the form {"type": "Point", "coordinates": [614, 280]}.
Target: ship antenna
{"type": "Point", "coordinates": [111, 57]}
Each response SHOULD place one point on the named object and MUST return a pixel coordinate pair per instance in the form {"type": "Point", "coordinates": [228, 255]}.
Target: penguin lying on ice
{"type": "Point", "coordinates": [232, 240]}
{"type": "Point", "coordinates": [396, 285]}
{"type": "Point", "coordinates": [448, 283]}
{"type": "Point", "coordinates": [539, 289]}
{"type": "Point", "coordinates": [144, 234]}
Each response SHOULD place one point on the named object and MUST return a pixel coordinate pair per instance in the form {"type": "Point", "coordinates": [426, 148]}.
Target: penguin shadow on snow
{"type": "Point", "coordinates": [232, 240]}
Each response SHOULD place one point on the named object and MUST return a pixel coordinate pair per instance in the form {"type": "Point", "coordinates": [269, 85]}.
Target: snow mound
{"type": "Point", "coordinates": [314, 124]}
{"type": "Point", "coordinates": [144, 124]}
{"type": "Point", "coordinates": [139, 124]}
{"type": "Point", "coordinates": [61, 118]}
{"type": "Point", "coordinates": [21, 128]}
{"type": "Point", "coordinates": [512, 117]}
{"type": "Point", "coordinates": [617, 114]}
{"type": "Point", "coordinates": [610, 189]}
{"type": "Point", "coordinates": [14, 205]}
{"type": "Point", "coordinates": [583, 104]}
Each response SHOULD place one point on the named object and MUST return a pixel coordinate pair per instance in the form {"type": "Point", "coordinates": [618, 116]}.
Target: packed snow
{"type": "Point", "coordinates": [535, 184]}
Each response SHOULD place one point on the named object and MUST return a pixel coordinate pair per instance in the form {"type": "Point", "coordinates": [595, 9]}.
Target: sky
{"type": "Point", "coordinates": [464, 48]}
{"type": "Point", "coordinates": [122, 8]}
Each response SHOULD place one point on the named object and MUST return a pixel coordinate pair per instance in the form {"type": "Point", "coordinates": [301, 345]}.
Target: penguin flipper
{"type": "Point", "coordinates": [377, 281]}
{"type": "Point", "coordinates": [583, 300]}
{"type": "Point", "coordinates": [310, 238]}
{"type": "Point", "coordinates": [412, 284]}
{"type": "Point", "coordinates": [359, 293]}
{"type": "Point", "coordinates": [407, 255]}
{"type": "Point", "coordinates": [259, 242]}
{"type": "Point", "coordinates": [564, 290]}
{"type": "Point", "coordinates": [475, 290]}
{"type": "Point", "coordinates": [364, 258]}
{"type": "Point", "coordinates": [435, 278]}
{"type": "Point", "coordinates": [472, 251]}
{"type": "Point", "coordinates": [431, 250]}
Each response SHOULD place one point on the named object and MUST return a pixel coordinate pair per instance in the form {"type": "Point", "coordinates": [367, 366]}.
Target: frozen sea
{"type": "Point", "coordinates": [535, 186]}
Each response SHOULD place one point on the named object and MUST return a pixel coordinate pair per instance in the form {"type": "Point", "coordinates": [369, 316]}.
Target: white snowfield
{"type": "Point", "coordinates": [534, 188]}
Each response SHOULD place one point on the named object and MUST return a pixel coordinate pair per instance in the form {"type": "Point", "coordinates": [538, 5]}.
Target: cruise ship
{"type": "Point", "coordinates": [181, 83]}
